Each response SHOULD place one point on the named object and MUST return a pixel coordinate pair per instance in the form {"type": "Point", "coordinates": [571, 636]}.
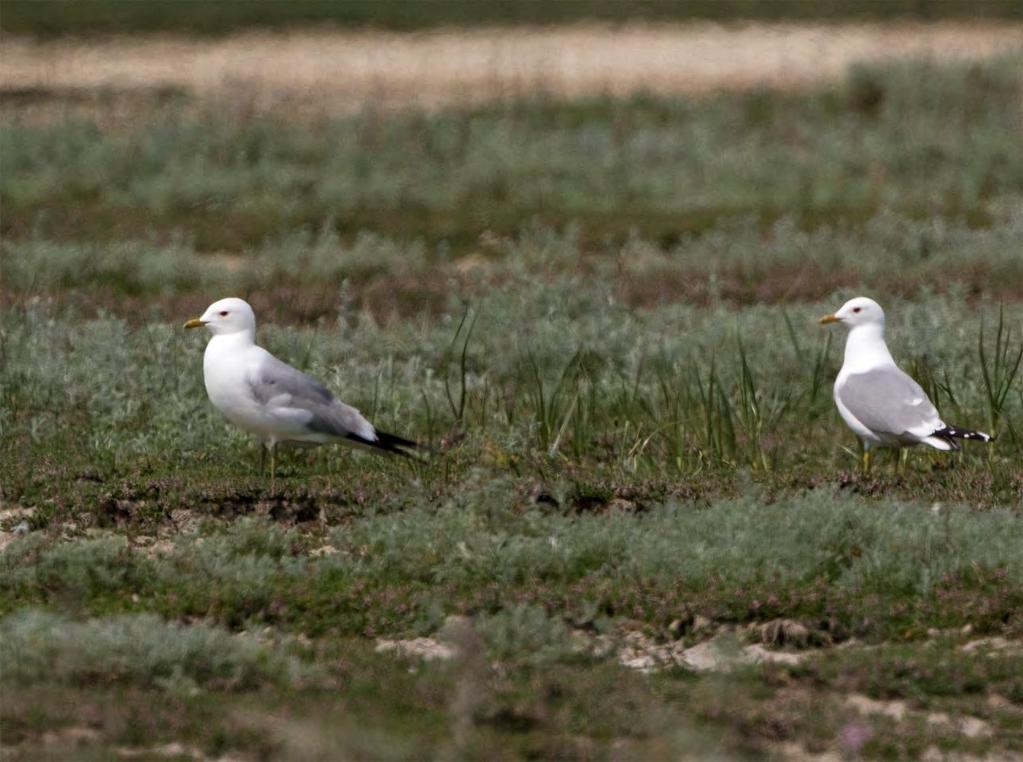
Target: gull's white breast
{"type": "Point", "coordinates": [226, 373]}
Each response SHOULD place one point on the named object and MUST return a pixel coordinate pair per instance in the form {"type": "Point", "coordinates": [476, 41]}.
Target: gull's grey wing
{"type": "Point", "coordinates": [888, 401]}
{"type": "Point", "coordinates": [274, 378]}
{"type": "Point", "coordinates": [293, 394]}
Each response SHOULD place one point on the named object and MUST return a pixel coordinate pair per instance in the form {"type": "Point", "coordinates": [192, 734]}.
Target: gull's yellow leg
{"type": "Point", "coordinates": [273, 465]}
{"type": "Point", "coordinates": [901, 460]}
{"type": "Point", "coordinates": [868, 458]}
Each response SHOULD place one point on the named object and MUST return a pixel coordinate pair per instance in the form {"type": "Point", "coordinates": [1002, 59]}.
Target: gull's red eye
{"type": "Point", "coordinates": [855, 309]}
{"type": "Point", "coordinates": [224, 313]}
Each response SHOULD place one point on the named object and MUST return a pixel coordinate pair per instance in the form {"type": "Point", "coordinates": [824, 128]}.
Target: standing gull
{"type": "Point", "coordinates": [883, 405]}
{"type": "Point", "coordinates": [266, 397]}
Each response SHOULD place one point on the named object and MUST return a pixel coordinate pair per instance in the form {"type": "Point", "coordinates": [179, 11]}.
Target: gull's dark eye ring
{"type": "Point", "coordinates": [855, 309]}
{"type": "Point", "coordinates": [224, 313]}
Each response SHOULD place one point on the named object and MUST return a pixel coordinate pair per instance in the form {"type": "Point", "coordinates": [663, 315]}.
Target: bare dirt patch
{"type": "Point", "coordinates": [321, 72]}
{"type": "Point", "coordinates": [428, 649]}
{"type": "Point", "coordinates": [721, 653]}
{"type": "Point", "coordinates": [971, 727]}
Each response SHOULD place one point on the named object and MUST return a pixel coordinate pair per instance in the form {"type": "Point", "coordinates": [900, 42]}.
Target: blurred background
{"type": "Point", "coordinates": [226, 125]}
{"type": "Point", "coordinates": [224, 128]}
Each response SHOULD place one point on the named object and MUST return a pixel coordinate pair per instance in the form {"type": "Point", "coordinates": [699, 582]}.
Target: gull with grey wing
{"type": "Point", "coordinates": [883, 405]}
{"type": "Point", "coordinates": [272, 400]}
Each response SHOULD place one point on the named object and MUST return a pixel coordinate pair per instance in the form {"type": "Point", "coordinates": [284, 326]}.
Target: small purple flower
{"type": "Point", "coordinates": [853, 736]}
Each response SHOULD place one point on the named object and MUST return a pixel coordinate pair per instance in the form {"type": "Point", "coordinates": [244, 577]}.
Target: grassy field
{"type": "Point", "coordinates": [601, 315]}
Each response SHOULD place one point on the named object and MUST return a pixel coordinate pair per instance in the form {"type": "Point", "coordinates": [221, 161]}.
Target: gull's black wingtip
{"type": "Point", "coordinates": [952, 433]}
{"type": "Point", "coordinates": [395, 441]}
{"type": "Point", "coordinates": [385, 442]}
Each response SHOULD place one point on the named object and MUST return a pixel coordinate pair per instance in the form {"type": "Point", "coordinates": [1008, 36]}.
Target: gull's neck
{"type": "Point", "coordinates": [229, 341]}
{"type": "Point", "coordinates": [865, 349]}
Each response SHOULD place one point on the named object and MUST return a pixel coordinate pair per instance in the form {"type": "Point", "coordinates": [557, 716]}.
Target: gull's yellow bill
{"type": "Point", "coordinates": [195, 323]}
{"type": "Point", "coordinates": [832, 318]}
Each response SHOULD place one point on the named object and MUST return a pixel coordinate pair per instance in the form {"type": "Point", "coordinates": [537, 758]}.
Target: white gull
{"type": "Point", "coordinates": [883, 405]}
{"type": "Point", "coordinates": [270, 399]}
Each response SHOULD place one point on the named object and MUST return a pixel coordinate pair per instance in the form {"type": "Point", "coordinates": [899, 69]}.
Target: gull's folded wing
{"type": "Point", "coordinates": [888, 401]}
{"type": "Point", "coordinates": [292, 393]}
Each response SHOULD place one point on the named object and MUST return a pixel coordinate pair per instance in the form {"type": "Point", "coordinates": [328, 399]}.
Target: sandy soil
{"type": "Point", "coordinates": [337, 71]}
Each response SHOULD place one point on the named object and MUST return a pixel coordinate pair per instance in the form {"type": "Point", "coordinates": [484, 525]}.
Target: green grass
{"type": "Point", "coordinates": [593, 390]}
{"type": "Point", "coordinates": [811, 556]}
{"type": "Point", "coordinates": [926, 141]}
{"type": "Point", "coordinates": [52, 17]}
{"type": "Point", "coordinates": [601, 316]}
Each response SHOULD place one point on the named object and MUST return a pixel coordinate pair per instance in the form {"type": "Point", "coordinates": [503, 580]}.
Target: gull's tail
{"type": "Point", "coordinates": [385, 442]}
{"type": "Point", "coordinates": [950, 434]}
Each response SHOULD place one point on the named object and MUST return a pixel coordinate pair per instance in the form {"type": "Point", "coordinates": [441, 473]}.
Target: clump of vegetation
{"type": "Point", "coordinates": [136, 649]}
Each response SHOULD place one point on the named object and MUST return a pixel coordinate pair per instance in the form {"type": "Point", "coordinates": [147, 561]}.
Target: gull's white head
{"type": "Point", "coordinates": [231, 315]}
{"type": "Point", "coordinates": [857, 312]}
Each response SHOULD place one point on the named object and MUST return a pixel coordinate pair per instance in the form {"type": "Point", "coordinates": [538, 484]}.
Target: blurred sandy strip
{"type": "Point", "coordinates": [332, 70]}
